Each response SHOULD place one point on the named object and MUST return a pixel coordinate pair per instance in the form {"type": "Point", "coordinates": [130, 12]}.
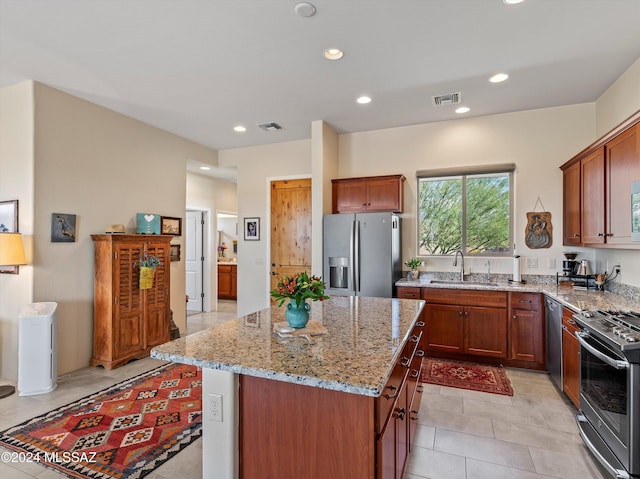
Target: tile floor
{"type": "Point", "coordinates": [461, 434]}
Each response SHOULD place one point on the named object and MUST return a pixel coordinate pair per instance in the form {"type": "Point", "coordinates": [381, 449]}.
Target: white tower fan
{"type": "Point", "coordinates": [37, 349]}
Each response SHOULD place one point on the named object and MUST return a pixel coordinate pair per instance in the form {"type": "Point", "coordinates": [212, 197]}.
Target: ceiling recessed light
{"type": "Point", "coordinates": [239, 129]}
{"type": "Point", "coordinates": [363, 100]}
{"type": "Point", "coordinates": [512, 2]}
{"type": "Point", "coordinates": [463, 109]}
{"type": "Point", "coordinates": [305, 9]}
{"type": "Point", "coordinates": [205, 168]}
{"type": "Point", "coordinates": [498, 77]}
{"type": "Point", "coordinates": [333, 54]}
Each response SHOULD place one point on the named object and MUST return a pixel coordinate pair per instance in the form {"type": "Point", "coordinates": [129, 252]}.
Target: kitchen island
{"type": "Point", "coordinates": [343, 406]}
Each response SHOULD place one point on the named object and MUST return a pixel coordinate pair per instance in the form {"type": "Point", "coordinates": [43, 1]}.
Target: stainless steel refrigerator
{"type": "Point", "coordinates": [361, 254]}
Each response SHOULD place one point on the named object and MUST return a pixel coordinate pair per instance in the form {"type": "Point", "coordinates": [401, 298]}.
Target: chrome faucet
{"type": "Point", "coordinates": [455, 263]}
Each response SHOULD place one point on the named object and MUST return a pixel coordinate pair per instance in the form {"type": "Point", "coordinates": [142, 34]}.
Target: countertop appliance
{"type": "Point", "coordinates": [361, 254]}
{"type": "Point", "coordinates": [609, 422]}
{"type": "Point", "coordinates": [553, 314]}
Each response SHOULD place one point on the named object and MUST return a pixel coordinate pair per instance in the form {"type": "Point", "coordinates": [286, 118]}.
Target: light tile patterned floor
{"type": "Point", "coordinates": [461, 434]}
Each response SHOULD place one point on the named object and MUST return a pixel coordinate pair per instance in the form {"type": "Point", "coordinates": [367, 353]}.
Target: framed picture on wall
{"type": "Point", "coordinates": [175, 252]}
{"type": "Point", "coordinates": [9, 224]}
{"type": "Point", "coordinates": [171, 226]}
{"type": "Point", "coordinates": [252, 229]}
{"type": "Point", "coordinates": [63, 228]}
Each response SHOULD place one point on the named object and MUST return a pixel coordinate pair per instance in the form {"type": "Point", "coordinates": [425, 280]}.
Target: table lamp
{"type": "Point", "coordinates": [11, 254]}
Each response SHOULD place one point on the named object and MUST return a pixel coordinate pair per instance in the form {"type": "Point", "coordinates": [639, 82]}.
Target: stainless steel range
{"type": "Point", "coordinates": [609, 422]}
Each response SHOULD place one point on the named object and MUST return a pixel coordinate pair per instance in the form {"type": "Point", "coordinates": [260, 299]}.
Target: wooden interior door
{"type": "Point", "coordinates": [290, 228]}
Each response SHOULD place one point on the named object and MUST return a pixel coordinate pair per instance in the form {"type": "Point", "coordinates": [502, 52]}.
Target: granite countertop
{"type": "Point", "coordinates": [577, 300]}
{"type": "Point", "coordinates": [364, 340]}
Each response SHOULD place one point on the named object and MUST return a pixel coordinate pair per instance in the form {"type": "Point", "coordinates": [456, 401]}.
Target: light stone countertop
{"type": "Point", "coordinates": [577, 300]}
{"type": "Point", "coordinates": [364, 340]}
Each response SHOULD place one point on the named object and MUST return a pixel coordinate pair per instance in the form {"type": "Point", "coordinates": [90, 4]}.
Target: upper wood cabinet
{"type": "Point", "coordinates": [597, 189]}
{"type": "Point", "coordinates": [571, 205]}
{"type": "Point", "coordinates": [368, 194]}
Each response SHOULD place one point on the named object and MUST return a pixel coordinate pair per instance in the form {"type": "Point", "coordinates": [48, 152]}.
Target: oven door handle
{"type": "Point", "coordinates": [614, 363]}
{"type": "Point", "coordinates": [617, 473]}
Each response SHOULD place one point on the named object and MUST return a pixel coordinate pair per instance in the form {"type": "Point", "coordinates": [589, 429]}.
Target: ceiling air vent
{"type": "Point", "coordinates": [270, 126]}
{"type": "Point", "coordinates": [448, 99]}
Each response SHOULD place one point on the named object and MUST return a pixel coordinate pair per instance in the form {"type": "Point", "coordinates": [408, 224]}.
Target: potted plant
{"type": "Point", "coordinates": [414, 264]}
{"type": "Point", "coordinates": [297, 289]}
{"type": "Point", "coordinates": [147, 270]}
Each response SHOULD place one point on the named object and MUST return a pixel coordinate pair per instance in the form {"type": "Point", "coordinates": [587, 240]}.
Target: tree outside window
{"type": "Point", "coordinates": [471, 213]}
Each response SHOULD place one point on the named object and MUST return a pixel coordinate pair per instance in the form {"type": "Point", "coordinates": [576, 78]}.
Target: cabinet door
{"type": "Point", "coordinates": [485, 331]}
{"type": "Point", "coordinates": [444, 328]}
{"type": "Point", "coordinates": [571, 366]}
{"type": "Point", "coordinates": [350, 196]}
{"type": "Point", "coordinates": [156, 299]}
{"type": "Point", "coordinates": [571, 205]}
{"type": "Point", "coordinates": [224, 281]}
{"type": "Point", "coordinates": [128, 318]}
{"type": "Point", "coordinates": [234, 282]}
{"type": "Point", "coordinates": [384, 195]}
{"type": "Point", "coordinates": [592, 198]}
{"type": "Point", "coordinates": [386, 452]}
{"type": "Point", "coordinates": [623, 168]}
{"type": "Point", "coordinates": [526, 336]}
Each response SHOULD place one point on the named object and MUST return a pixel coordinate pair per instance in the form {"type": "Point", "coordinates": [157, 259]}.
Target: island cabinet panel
{"type": "Point", "coordinates": [368, 194]}
{"type": "Point", "coordinates": [465, 323]}
{"type": "Point", "coordinates": [570, 358]}
{"type": "Point", "coordinates": [526, 330]}
{"type": "Point", "coordinates": [290, 430]}
{"type": "Point", "coordinates": [129, 321]}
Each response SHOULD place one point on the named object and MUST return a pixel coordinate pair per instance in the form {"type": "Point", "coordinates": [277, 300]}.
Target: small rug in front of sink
{"type": "Point", "coordinates": [459, 374]}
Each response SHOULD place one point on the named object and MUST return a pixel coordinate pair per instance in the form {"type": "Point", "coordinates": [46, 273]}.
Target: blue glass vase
{"type": "Point", "coordinates": [297, 316]}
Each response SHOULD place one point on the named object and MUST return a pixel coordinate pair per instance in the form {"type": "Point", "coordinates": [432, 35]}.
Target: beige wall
{"type": "Point", "coordinates": [16, 183]}
{"type": "Point", "coordinates": [104, 167]}
{"type": "Point", "coordinates": [212, 195]}
{"type": "Point", "coordinates": [619, 102]}
{"type": "Point", "coordinates": [257, 167]}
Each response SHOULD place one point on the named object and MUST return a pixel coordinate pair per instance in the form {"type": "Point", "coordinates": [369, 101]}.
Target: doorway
{"type": "Point", "coordinates": [195, 266]}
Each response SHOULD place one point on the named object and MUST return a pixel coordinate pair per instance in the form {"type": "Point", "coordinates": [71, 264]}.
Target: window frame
{"type": "Point", "coordinates": [463, 174]}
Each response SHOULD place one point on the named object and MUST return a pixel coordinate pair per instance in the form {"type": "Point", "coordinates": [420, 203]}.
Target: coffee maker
{"type": "Point", "coordinates": [570, 265]}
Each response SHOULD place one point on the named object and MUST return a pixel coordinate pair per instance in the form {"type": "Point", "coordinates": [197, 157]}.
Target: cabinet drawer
{"type": "Point", "coordinates": [406, 292]}
{"type": "Point", "coordinates": [529, 301]}
{"type": "Point", "coordinates": [473, 297]}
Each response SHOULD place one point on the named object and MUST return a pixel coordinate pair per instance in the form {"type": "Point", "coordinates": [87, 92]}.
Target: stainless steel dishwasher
{"type": "Point", "coordinates": [553, 310]}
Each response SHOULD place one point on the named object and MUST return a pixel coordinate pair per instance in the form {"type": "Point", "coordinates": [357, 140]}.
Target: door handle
{"type": "Point", "coordinates": [273, 273]}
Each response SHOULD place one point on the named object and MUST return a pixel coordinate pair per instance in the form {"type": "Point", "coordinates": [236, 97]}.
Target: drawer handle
{"type": "Point", "coordinates": [571, 321]}
{"type": "Point", "coordinates": [414, 373]}
{"type": "Point", "coordinates": [414, 415]}
{"type": "Point", "coordinates": [391, 396]}
{"type": "Point", "coordinates": [401, 413]}
{"type": "Point", "coordinates": [420, 353]}
{"type": "Point", "coordinates": [420, 324]}
{"type": "Point", "coordinates": [414, 338]}
{"type": "Point", "coordinates": [525, 301]}
{"type": "Point", "coordinates": [409, 295]}
{"type": "Point", "coordinates": [405, 362]}
{"type": "Point", "coordinates": [420, 388]}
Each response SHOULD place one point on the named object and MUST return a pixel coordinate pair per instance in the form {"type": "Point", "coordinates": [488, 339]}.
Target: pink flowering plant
{"type": "Point", "coordinates": [298, 288]}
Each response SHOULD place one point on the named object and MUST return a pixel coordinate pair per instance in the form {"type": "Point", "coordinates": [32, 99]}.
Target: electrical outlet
{"type": "Point", "coordinates": [215, 407]}
{"type": "Point", "coordinates": [551, 263]}
{"type": "Point", "coordinates": [532, 262]}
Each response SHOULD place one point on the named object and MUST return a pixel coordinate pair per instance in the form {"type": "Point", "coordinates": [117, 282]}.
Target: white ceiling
{"type": "Point", "coordinates": [197, 68]}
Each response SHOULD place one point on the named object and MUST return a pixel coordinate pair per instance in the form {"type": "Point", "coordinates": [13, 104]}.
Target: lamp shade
{"type": "Point", "coordinates": [11, 249]}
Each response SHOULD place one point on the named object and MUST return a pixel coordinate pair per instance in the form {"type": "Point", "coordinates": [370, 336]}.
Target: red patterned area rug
{"type": "Point", "coordinates": [458, 374]}
{"type": "Point", "coordinates": [123, 432]}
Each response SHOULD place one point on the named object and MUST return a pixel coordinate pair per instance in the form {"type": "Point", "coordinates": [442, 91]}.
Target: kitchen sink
{"type": "Point", "coordinates": [465, 283]}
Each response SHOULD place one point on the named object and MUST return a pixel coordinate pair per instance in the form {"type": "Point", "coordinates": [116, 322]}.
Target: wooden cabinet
{"type": "Point", "coordinates": [467, 322]}
{"type": "Point", "coordinates": [592, 198]}
{"type": "Point", "coordinates": [570, 358]}
{"type": "Point", "coordinates": [227, 281]}
{"type": "Point", "coordinates": [606, 170]}
{"type": "Point", "coordinates": [368, 194]}
{"type": "Point", "coordinates": [339, 434]}
{"type": "Point", "coordinates": [128, 321]}
{"type": "Point", "coordinates": [571, 181]}
{"type": "Point", "coordinates": [526, 327]}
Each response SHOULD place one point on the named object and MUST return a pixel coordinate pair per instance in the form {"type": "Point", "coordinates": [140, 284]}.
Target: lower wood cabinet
{"type": "Point", "coordinates": [466, 322]}
{"type": "Point", "coordinates": [227, 281]}
{"type": "Point", "coordinates": [570, 358]}
{"type": "Point", "coordinates": [526, 330]}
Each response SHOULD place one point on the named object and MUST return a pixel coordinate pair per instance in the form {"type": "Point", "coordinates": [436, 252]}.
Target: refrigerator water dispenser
{"type": "Point", "coordinates": [338, 272]}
